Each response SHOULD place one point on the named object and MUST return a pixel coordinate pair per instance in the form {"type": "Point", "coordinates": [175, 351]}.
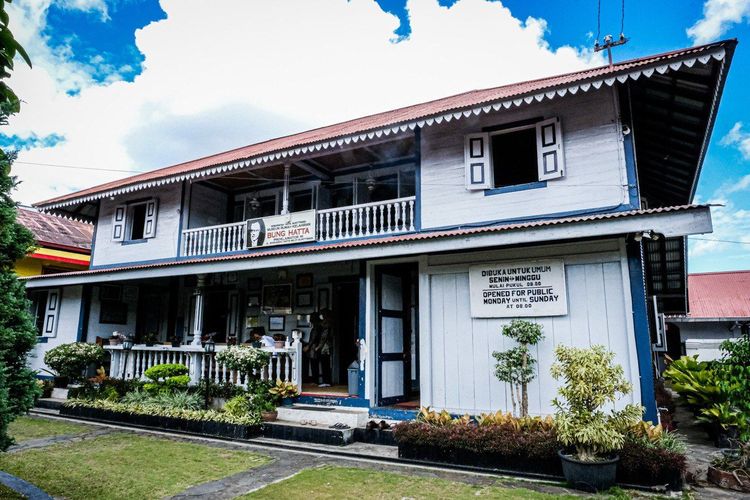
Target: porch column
{"type": "Point", "coordinates": [198, 314]}
{"type": "Point", "coordinates": [285, 199]}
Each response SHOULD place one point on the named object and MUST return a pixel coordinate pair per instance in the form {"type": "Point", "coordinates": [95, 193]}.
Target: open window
{"type": "Point", "coordinates": [45, 308]}
{"type": "Point", "coordinates": [514, 156]}
{"type": "Point", "coordinates": [135, 221]}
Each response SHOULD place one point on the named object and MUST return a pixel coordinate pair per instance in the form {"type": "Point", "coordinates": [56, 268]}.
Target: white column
{"type": "Point", "coordinates": [285, 198]}
{"type": "Point", "coordinates": [198, 314]}
{"type": "Point", "coordinates": [297, 360]}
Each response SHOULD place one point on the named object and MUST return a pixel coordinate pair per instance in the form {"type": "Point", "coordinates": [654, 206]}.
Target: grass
{"type": "Point", "coordinates": [125, 466]}
{"type": "Point", "coordinates": [9, 494]}
{"type": "Point", "coordinates": [26, 428]}
{"type": "Point", "coordinates": [345, 482]}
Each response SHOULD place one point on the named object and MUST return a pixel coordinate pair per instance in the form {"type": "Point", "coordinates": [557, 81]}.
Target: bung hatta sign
{"type": "Point", "coordinates": [518, 289]}
{"type": "Point", "coordinates": [295, 227]}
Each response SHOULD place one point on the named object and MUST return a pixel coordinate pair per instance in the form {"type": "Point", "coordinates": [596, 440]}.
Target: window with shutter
{"type": "Point", "coordinates": [52, 312]}
{"type": "Point", "coordinates": [478, 162]}
{"type": "Point", "coordinates": [149, 226]}
{"type": "Point", "coordinates": [550, 162]}
{"type": "Point", "coordinates": [118, 222]}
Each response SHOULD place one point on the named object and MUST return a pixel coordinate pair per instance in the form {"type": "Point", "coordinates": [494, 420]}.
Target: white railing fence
{"type": "Point", "coordinates": [286, 363]}
{"type": "Point", "coordinates": [369, 219]}
{"type": "Point", "coordinates": [214, 239]}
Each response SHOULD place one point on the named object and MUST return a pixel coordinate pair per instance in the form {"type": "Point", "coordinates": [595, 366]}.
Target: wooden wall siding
{"type": "Point", "coordinates": [208, 206]}
{"type": "Point", "coordinates": [104, 330]}
{"type": "Point", "coordinates": [461, 377]}
{"type": "Point", "coordinates": [162, 246]}
{"type": "Point", "coordinates": [595, 170]}
{"type": "Point", "coordinates": [67, 327]}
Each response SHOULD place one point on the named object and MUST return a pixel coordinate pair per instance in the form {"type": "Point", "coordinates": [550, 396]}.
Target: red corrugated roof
{"type": "Point", "coordinates": [719, 295]}
{"type": "Point", "coordinates": [52, 231]}
{"type": "Point", "coordinates": [394, 117]}
{"type": "Point", "coordinates": [400, 238]}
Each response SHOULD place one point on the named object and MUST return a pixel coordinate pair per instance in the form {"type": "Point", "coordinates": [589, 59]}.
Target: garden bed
{"type": "Point", "coordinates": [528, 453]}
{"type": "Point", "coordinates": [203, 427]}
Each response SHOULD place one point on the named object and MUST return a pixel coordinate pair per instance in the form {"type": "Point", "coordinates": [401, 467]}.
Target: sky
{"type": "Point", "coordinates": [123, 86]}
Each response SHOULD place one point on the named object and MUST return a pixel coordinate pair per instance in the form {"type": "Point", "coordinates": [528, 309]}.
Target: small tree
{"type": "Point", "coordinates": [591, 381]}
{"type": "Point", "coordinates": [516, 366]}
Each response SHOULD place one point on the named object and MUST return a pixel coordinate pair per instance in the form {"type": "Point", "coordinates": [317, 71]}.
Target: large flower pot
{"type": "Point", "coordinates": [589, 476]}
{"type": "Point", "coordinates": [269, 416]}
{"type": "Point", "coordinates": [728, 480]}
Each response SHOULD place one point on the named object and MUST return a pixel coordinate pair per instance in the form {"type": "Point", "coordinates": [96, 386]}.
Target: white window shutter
{"type": "Point", "coordinates": [549, 150]}
{"type": "Point", "coordinates": [478, 161]}
{"type": "Point", "coordinates": [51, 313]}
{"type": "Point", "coordinates": [149, 226]}
{"type": "Point", "coordinates": [118, 222]}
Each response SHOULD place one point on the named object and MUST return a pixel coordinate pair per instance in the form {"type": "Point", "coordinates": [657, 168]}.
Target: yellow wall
{"type": "Point", "coordinates": [34, 263]}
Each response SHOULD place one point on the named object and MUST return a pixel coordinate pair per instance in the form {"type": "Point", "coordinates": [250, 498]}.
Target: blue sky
{"type": "Point", "coordinates": [93, 45]}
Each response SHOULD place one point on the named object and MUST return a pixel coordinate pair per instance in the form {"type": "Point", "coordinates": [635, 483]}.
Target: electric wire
{"type": "Point", "coordinates": [720, 241]}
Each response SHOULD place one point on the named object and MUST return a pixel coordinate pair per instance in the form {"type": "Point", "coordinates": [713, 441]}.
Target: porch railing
{"type": "Point", "coordinates": [214, 239]}
{"type": "Point", "coordinates": [369, 219]}
{"type": "Point", "coordinates": [285, 363]}
{"type": "Point", "coordinates": [354, 221]}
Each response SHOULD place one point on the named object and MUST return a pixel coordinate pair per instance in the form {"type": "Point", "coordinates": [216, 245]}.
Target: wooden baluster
{"type": "Point", "coordinates": [288, 362]}
{"type": "Point", "coordinates": [388, 218]}
{"type": "Point", "coordinates": [340, 232]}
{"type": "Point", "coordinates": [411, 215]}
{"type": "Point", "coordinates": [382, 219]}
{"type": "Point", "coordinates": [198, 243]}
{"type": "Point", "coordinates": [320, 227]}
{"type": "Point", "coordinates": [346, 223]}
{"type": "Point", "coordinates": [403, 216]}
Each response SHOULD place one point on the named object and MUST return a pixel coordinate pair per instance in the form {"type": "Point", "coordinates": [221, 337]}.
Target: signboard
{"type": "Point", "coordinates": [288, 229]}
{"type": "Point", "coordinates": [518, 289]}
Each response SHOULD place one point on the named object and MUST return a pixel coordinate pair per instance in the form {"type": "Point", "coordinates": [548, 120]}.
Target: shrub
{"type": "Point", "coordinates": [70, 360]}
{"type": "Point", "coordinates": [167, 376]}
{"type": "Point", "coordinates": [154, 410]}
{"type": "Point", "coordinates": [696, 381]}
{"type": "Point", "coordinates": [102, 390]}
{"type": "Point", "coordinates": [226, 390]}
{"type": "Point", "coordinates": [591, 381]}
{"type": "Point", "coordinates": [243, 359]}
{"type": "Point", "coordinates": [642, 462]}
{"type": "Point", "coordinates": [238, 406]}
{"type": "Point", "coordinates": [516, 366]}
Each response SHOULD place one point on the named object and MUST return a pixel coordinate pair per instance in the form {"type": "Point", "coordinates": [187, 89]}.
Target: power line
{"type": "Point", "coordinates": [721, 241]}
{"type": "Point", "coordinates": [77, 167]}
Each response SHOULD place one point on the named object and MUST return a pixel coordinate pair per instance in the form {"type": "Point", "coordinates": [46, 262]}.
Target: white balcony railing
{"type": "Point", "coordinates": [354, 221]}
{"type": "Point", "coordinates": [214, 239]}
{"type": "Point", "coordinates": [369, 219]}
{"type": "Point", "coordinates": [284, 365]}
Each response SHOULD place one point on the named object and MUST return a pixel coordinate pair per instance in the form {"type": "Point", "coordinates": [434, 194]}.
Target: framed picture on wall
{"type": "Point", "coordinates": [304, 300]}
{"type": "Point", "coordinates": [276, 323]}
{"type": "Point", "coordinates": [278, 298]}
{"type": "Point", "coordinates": [305, 280]}
{"type": "Point", "coordinates": [323, 295]}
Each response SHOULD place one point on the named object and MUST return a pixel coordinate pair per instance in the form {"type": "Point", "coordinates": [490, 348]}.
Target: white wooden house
{"type": "Point", "coordinates": [423, 229]}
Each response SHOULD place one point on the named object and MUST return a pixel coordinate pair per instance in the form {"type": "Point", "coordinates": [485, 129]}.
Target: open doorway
{"type": "Point", "coordinates": [397, 335]}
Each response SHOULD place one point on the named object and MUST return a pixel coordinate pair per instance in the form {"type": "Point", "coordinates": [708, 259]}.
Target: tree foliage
{"type": "Point", "coordinates": [591, 381]}
{"type": "Point", "coordinates": [517, 367]}
{"type": "Point", "coordinates": [18, 387]}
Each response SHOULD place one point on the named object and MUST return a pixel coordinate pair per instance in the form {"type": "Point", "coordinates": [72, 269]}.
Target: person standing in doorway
{"type": "Point", "coordinates": [321, 345]}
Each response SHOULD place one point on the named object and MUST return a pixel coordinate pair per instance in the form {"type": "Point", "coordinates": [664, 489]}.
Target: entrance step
{"type": "Point", "coordinates": [319, 434]}
{"type": "Point", "coordinates": [50, 403]}
{"type": "Point", "coordinates": [323, 416]}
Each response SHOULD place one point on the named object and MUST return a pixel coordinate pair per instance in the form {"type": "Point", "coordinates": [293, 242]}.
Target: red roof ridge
{"type": "Point", "coordinates": [307, 137]}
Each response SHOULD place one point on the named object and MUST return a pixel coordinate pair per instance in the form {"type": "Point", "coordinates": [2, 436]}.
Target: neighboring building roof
{"type": "Point", "coordinates": [719, 295]}
{"type": "Point", "coordinates": [57, 232]}
{"type": "Point", "coordinates": [407, 118]}
{"type": "Point", "coordinates": [386, 240]}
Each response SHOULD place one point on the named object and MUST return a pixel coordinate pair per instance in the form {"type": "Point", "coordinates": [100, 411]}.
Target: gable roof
{"type": "Point", "coordinates": [403, 119]}
{"type": "Point", "coordinates": [53, 231]}
{"type": "Point", "coordinates": [719, 295]}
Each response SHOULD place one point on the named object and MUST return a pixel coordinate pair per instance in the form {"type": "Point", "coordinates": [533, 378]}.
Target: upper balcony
{"type": "Point", "coordinates": [358, 193]}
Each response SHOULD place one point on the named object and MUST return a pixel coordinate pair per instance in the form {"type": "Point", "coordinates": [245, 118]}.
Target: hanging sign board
{"type": "Point", "coordinates": [296, 227]}
{"type": "Point", "coordinates": [518, 289]}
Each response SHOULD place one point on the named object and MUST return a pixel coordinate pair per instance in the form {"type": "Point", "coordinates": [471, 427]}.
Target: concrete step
{"type": "Point", "coordinates": [319, 434]}
{"type": "Point", "coordinates": [324, 415]}
{"type": "Point", "coordinates": [50, 403]}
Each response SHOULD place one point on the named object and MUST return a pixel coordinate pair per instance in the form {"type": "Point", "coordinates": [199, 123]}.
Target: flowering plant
{"type": "Point", "coordinates": [70, 360]}
{"type": "Point", "coordinates": [243, 359]}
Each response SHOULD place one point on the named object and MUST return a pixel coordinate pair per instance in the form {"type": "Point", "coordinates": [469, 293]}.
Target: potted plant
{"type": "Point", "coordinates": [732, 469]}
{"type": "Point", "coordinates": [725, 422]}
{"type": "Point", "coordinates": [590, 435]}
{"type": "Point", "coordinates": [284, 391]}
{"type": "Point", "coordinates": [279, 340]}
{"type": "Point", "coordinates": [268, 411]}
{"type": "Point", "coordinates": [115, 339]}
{"type": "Point", "coordinates": [69, 361]}
{"type": "Point", "coordinates": [175, 340]}
{"type": "Point", "coordinates": [150, 339]}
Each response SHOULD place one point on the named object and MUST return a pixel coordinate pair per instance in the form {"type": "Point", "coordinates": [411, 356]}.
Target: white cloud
{"type": "Point", "coordinates": [738, 138]}
{"type": "Point", "coordinates": [96, 6]}
{"type": "Point", "coordinates": [718, 18]}
{"type": "Point", "coordinates": [224, 74]}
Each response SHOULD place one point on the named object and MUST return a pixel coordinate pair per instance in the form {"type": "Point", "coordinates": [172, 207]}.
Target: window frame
{"type": "Point", "coordinates": [527, 125]}
{"type": "Point", "coordinates": [130, 218]}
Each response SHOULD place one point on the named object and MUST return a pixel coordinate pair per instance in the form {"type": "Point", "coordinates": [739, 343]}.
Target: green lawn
{"type": "Point", "coordinates": [125, 466]}
{"type": "Point", "coordinates": [345, 482]}
{"type": "Point", "coordinates": [25, 428]}
{"type": "Point", "coordinates": [9, 494]}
